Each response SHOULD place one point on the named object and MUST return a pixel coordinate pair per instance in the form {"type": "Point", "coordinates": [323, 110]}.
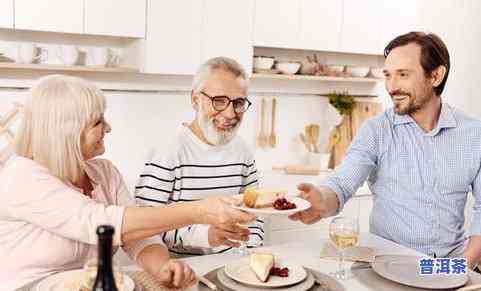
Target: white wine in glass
{"type": "Point", "coordinates": [242, 250]}
{"type": "Point", "coordinates": [344, 233]}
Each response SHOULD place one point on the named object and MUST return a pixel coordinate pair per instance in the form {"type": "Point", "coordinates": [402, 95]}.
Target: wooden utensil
{"type": "Point", "coordinates": [304, 141]}
{"type": "Point", "coordinates": [273, 137]}
{"type": "Point", "coordinates": [307, 134]}
{"type": "Point", "coordinates": [315, 137]}
{"type": "Point", "coordinates": [262, 138]}
{"type": "Point", "coordinates": [297, 170]}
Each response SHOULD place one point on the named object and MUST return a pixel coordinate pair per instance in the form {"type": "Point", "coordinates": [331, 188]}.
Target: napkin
{"type": "Point", "coordinates": [355, 254]}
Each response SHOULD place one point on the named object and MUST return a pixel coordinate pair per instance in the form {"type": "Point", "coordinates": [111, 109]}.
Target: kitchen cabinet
{"type": "Point", "coordinates": [6, 14]}
{"type": "Point", "coordinates": [320, 24]}
{"type": "Point", "coordinates": [173, 41]}
{"type": "Point", "coordinates": [227, 31]}
{"type": "Point", "coordinates": [397, 18]}
{"type": "Point", "coordinates": [277, 23]}
{"type": "Point", "coordinates": [360, 27]}
{"type": "Point", "coordinates": [49, 15]}
{"type": "Point", "coordinates": [115, 17]}
{"type": "Point", "coordinates": [183, 34]}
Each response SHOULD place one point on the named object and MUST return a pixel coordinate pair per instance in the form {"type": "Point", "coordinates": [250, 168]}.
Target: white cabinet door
{"type": "Point", "coordinates": [173, 36]}
{"type": "Point", "coordinates": [227, 31]}
{"type": "Point", "coordinates": [6, 13]}
{"type": "Point", "coordinates": [360, 28]}
{"type": "Point", "coordinates": [50, 15]}
{"type": "Point", "coordinates": [320, 24]}
{"type": "Point", "coordinates": [277, 23]}
{"type": "Point", "coordinates": [115, 17]}
{"type": "Point", "coordinates": [398, 17]}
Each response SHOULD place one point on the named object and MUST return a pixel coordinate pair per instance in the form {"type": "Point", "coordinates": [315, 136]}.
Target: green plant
{"type": "Point", "coordinates": [342, 101]}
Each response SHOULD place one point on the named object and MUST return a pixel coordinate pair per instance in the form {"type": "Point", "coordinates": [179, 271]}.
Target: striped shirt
{"type": "Point", "coordinates": [191, 170]}
{"type": "Point", "coordinates": [420, 180]}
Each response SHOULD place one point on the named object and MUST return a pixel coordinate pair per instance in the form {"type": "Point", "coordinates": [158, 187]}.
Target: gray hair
{"type": "Point", "coordinates": [217, 63]}
{"type": "Point", "coordinates": [56, 113]}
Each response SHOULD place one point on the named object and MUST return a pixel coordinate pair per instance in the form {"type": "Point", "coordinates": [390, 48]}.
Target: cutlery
{"type": "Point", "coordinates": [315, 137]}
{"type": "Point", "coordinates": [321, 284]}
{"type": "Point", "coordinates": [262, 138]}
{"type": "Point", "coordinates": [304, 141]}
{"type": "Point", "coordinates": [470, 288]}
{"type": "Point", "coordinates": [207, 283]}
{"type": "Point", "coordinates": [273, 137]}
{"type": "Point", "coordinates": [362, 266]}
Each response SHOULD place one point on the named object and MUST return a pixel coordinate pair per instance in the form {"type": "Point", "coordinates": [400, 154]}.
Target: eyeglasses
{"type": "Point", "coordinates": [220, 103]}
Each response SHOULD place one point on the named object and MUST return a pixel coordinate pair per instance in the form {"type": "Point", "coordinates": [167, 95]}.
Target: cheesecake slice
{"type": "Point", "coordinates": [261, 264]}
{"type": "Point", "coordinates": [261, 198]}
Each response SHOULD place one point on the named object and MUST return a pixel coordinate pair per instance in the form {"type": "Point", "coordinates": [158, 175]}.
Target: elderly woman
{"type": "Point", "coordinates": [53, 195]}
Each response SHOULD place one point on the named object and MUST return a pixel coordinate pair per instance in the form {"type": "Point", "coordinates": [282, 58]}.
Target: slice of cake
{"type": "Point", "coordinates": [260, 198]}
{"type": "Point", "coordinates": [261, 264]}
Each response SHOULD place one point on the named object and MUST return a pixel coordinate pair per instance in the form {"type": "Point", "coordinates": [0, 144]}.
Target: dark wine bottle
{"type": "Point", "coordinates": [105, 280]}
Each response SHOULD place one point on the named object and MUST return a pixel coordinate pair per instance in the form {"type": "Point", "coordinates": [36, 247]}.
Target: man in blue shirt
{"type": "Point", "coordinates": [421, 159]}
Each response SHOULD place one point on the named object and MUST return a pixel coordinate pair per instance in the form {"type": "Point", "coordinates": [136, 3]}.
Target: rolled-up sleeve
{"type": "Point", "coordinates": [360, 160]}
{"type": "Point", "coordinates": [125, 199]}
{"type": "Point", "coordinates": [475, 228]}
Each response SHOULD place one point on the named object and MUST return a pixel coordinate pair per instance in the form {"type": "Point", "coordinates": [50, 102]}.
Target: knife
{"type": "Point", "coordinates": [207, 283]}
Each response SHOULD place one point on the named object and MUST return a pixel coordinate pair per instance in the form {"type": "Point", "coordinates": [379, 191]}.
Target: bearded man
{"type": "Point", "coordinates": [206, 159]}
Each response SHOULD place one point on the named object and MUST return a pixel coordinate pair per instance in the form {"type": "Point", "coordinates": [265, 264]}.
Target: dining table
{"type": "Point", "coordinates": [307, 254]}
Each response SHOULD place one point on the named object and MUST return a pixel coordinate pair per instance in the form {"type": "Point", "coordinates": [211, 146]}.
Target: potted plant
{"type": "Point", "coordinates": [342, 101]}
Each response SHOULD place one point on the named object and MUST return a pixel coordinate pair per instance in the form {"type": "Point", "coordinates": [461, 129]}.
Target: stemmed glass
{"type": "Point", "coordinates": [344, 233]}
{"type": "Point", "coordinates": [242, 250]}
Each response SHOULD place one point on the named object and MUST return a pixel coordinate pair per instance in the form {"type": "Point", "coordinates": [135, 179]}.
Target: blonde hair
{"type": "Point", "coordinates": [56, 113]}
{"type": "Point", "coordinates": [214, 64]}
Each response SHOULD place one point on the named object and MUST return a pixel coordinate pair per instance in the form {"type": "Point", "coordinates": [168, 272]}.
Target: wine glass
{"type": "Point", "coordinates": [242, 250]}
{"type": "Point", "coordinates": [344, 233]}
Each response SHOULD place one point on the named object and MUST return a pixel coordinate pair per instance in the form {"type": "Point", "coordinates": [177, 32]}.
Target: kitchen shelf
{"type": "Point", "coordinates": [67, 68]}
{"type": "Point", "coordinates": [314, 78]}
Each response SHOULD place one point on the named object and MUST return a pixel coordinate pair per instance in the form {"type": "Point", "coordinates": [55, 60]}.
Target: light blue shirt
{"type": "Point", "coordinates": [420, 181]}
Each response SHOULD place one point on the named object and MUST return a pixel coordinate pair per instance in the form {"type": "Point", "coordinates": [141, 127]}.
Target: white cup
{"type": "Point", "coordinates": [104, 57]}
{"type": "Point", "coordinates": [27, 53]}
{"type": "Point", "coordinates": [68, 54]}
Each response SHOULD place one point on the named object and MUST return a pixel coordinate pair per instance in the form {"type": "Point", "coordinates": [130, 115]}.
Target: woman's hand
{"type": "Point", "coordinates": [218, 212]}
{"type": "Point", "coordinates": [175, 274]}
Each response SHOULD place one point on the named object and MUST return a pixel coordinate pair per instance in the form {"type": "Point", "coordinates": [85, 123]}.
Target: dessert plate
{"type": "Point", "coordinates": [67, 281]}
{"type": "Point", "coordinates": [301, 205]}
{"type": "Point", "coordinates": [240, 271]}
{"type": "Point", "coordinates": [405, 270]}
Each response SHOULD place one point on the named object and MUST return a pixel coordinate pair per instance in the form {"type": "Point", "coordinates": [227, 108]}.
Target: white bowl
{"type": "Point", "coordinates": [263, 63]}
{"type": "Point", "coordinates": [377, 73]}
{"type": "Point", "coordinates": [336, 68]}
{"type": "Point", "coordinates": [358, 72]}
{"type": "Point", "coordinates": [288, 68]}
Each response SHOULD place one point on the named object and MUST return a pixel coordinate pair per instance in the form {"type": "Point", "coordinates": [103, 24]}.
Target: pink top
{"type": "Point", "coordinates": [47, 226]}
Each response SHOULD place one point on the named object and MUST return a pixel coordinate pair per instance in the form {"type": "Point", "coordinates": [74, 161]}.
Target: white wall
{"type": "Point", "coordinates": [459, 25]}
{"type": "Point", "coordinates": [141, 121]}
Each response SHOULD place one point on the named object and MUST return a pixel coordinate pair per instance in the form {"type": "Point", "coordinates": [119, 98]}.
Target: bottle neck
{"type": "Point", "coordinates": [105, 253]}
{"type": "Point", "coordinates": [105, 280]}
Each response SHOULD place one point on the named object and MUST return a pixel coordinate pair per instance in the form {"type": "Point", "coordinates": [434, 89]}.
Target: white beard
{"type": "Point", "coordinates": [211, 134]}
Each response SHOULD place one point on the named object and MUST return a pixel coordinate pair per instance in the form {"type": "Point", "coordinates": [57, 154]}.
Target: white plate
{"type": "Point", "coordinates": [240, 271]}
{"type": "Point", "coordinates": [59, 281]}
{"type": "Point", "coordinates": [300, 203]}
{"type": "Point", "coordinates": [405, 270]}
